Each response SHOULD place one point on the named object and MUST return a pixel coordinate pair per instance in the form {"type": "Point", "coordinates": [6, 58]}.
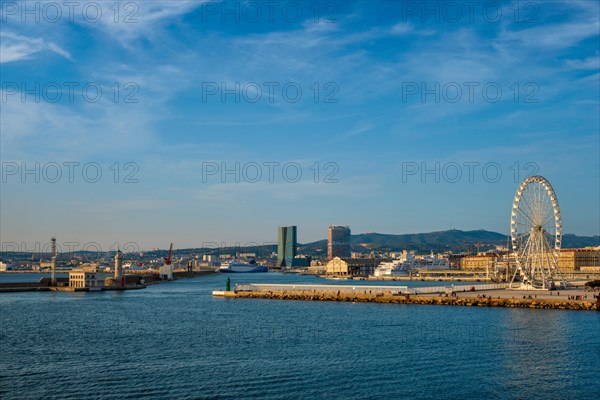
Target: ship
{"type": "Point", "coordinates": [433, 262]}
{"type": "Point", "coordinates": [398, 267]}
{"type": "Point", "coordinates": [392, 268]}
{"type": "Point", "coordinates": [240, 267]}
{"type": "Point", "coordinates": [407, 262]}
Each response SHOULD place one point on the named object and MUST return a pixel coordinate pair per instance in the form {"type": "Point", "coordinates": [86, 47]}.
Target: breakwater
{"type": "Point", "coordinates": [489, 300]}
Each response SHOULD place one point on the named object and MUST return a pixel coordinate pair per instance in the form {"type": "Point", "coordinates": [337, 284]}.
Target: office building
{"type": "Point", "coordinates": [286, 246]}
{"type": "Point", "coordinates": [338, 242]}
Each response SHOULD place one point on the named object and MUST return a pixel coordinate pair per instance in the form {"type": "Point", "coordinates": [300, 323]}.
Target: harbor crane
{"type": "Point", "coordinates": [166, 271]}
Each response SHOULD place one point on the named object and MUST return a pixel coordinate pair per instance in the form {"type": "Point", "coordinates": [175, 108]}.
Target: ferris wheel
{"type": "Point", "coordinates": [536, 229]}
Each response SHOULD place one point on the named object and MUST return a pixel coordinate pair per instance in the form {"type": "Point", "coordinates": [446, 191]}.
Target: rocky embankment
{"type": "Point", "coordinates": [431, 300]}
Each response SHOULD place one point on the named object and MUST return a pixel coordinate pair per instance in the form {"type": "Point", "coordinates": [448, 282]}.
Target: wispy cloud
{"type": "Point", "coordinates": [555, 36]}
{"type": "Point", "coordinates": [146, 19]}
{"type": "Point", "coordinates": [589, 63]}
{"type": "Point", "coordinates": [169, 55]}
{"type": "Point", "coordinates": [14, 47]}
{"type": "Point", "coordinates": [234, 193]}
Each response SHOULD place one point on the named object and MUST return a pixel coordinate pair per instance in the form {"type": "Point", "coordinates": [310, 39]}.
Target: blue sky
{"type": "Point", "coordinates": [388, 76]}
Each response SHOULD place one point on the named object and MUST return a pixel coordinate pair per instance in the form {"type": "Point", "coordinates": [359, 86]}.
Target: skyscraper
{"type": "Point", "coordinates": [287, 244]}
{"type": "Point", "coordinates": [338, 241]}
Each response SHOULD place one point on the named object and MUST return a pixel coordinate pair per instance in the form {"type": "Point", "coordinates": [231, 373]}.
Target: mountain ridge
{"type": "Point", "coordinates": [449, 240]}
{"type": "Point", "coordinates": [452, 239]}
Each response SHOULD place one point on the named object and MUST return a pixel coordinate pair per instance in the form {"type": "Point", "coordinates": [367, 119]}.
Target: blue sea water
{"type": "Point", "coordinates": [175, 340]}
{"type": "Point", "coordinates": [28, 277]}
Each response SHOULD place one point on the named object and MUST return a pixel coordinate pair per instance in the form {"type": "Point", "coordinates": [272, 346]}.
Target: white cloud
{"type": "Point", "coordinates": [589, 63]}
{"type": "Point", "coordinates": [143, 20]}
{"type": "Point", "coordinates": [14, 47]}
{"type": "Point", "coordinates": [233, 193]}
{"type": "Point", "coordinates": [53, 131]}
{"type": "Point", "coordinates": [552, 36]}
{"type": "Point", "coordinates": [402, 27]}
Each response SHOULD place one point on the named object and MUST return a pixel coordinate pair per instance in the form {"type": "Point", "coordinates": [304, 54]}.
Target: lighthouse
{"type": "Point", "coordinates": [118, 265]}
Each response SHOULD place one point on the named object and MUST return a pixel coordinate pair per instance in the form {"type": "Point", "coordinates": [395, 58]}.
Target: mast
{"type": "Point", "coordinates": [53, 273]}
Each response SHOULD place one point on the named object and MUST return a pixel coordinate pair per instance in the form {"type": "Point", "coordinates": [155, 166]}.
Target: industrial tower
{"type": "Point", "coordinates": [53, 274]}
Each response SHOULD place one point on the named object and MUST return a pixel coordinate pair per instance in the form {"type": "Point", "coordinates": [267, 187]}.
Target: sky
{"type": "Point", "coordinates": [144, 123]}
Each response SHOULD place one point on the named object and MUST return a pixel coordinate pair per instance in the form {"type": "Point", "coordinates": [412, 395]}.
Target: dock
{"type": "Point", "coordinates": [487, 295]}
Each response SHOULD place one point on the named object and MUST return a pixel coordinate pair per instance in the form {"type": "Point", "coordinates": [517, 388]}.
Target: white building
{"type": "Point", "coordinates": [85, 278]}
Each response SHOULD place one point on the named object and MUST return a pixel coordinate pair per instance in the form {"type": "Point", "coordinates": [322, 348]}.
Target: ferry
{"type": "Point", "coordinates": [407, 262]}
{"type": "Point", "coordinates": [391, 268]}
{"type": "Point", "coordinates": [398, 267]}
{"type": "Point", "coordinates": [433, 262]}
{"type": "Point", "coordinates": [240, 267]}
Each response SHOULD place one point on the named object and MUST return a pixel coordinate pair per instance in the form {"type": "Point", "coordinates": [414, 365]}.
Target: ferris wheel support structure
{"type": "Point", "coordinates": [536, 233]}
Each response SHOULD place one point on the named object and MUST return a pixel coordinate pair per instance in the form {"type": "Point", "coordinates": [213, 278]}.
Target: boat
{"type": "Point", "coordinates": [398, 267]}
{"type": "Point", "coordinates": [391, 268]}
{"type": "Point", "coordinates": [240, 267]}
{"type": "Point", "coordinates": [407, 262]}
{"type": "Point", "coordinates": [433, 262]}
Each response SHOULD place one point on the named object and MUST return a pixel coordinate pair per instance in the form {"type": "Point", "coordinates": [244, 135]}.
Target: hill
{"type": "Point", "coordinates": [455, 240]}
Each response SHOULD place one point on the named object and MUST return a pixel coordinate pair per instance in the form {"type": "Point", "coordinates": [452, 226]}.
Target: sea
{"type": "Point", "coordinates": [175, 341]}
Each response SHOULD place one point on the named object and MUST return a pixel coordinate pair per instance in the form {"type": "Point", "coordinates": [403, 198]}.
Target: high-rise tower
{"type": "Point", "coordinates": [338, 241]}
{"type": "Point", "coordinates": [286, 246]}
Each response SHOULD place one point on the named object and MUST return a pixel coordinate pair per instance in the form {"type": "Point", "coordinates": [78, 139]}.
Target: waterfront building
{"type": "Point", "coordinates": [46, 265]}
{"type": "Point", "coordinates": [246, 255]}
{"type": "Point", "coordinates": [5, 266]}
{"type": "Point", "coordinates": [484, 262]}
{"type": "Point", "coordinates": [587, 260]}
{"type": "Point", "coordinates": [338, 242]}
{"type": "Point", "coordinates": [210, 263]}
{"type": "Point", "coordinates": [85, 277]}
{"type": "Point", "coordinates": [338, 266]}
{"type": "Point", "coordinates": [301, 260]}
{"type": "Point", "coordinates": [286, 245]}
{"type": "Point", "coordinates": [455, 260]}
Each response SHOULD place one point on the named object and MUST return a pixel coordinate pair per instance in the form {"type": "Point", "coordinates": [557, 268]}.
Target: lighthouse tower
{"type": "Point", "coordinates": [118, 265]}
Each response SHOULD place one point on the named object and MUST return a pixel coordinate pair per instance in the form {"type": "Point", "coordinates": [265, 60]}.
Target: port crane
{"type": "Point", "coordinates": [168, 257]}
{"type": "Point", "coordinates": [479, 244]}
{"type": "Point", "coordinates": [166, 271]}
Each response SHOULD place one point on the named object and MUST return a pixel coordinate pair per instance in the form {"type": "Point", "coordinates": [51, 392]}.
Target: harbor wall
{"type": "Point", "coordinates": [348, 296]}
